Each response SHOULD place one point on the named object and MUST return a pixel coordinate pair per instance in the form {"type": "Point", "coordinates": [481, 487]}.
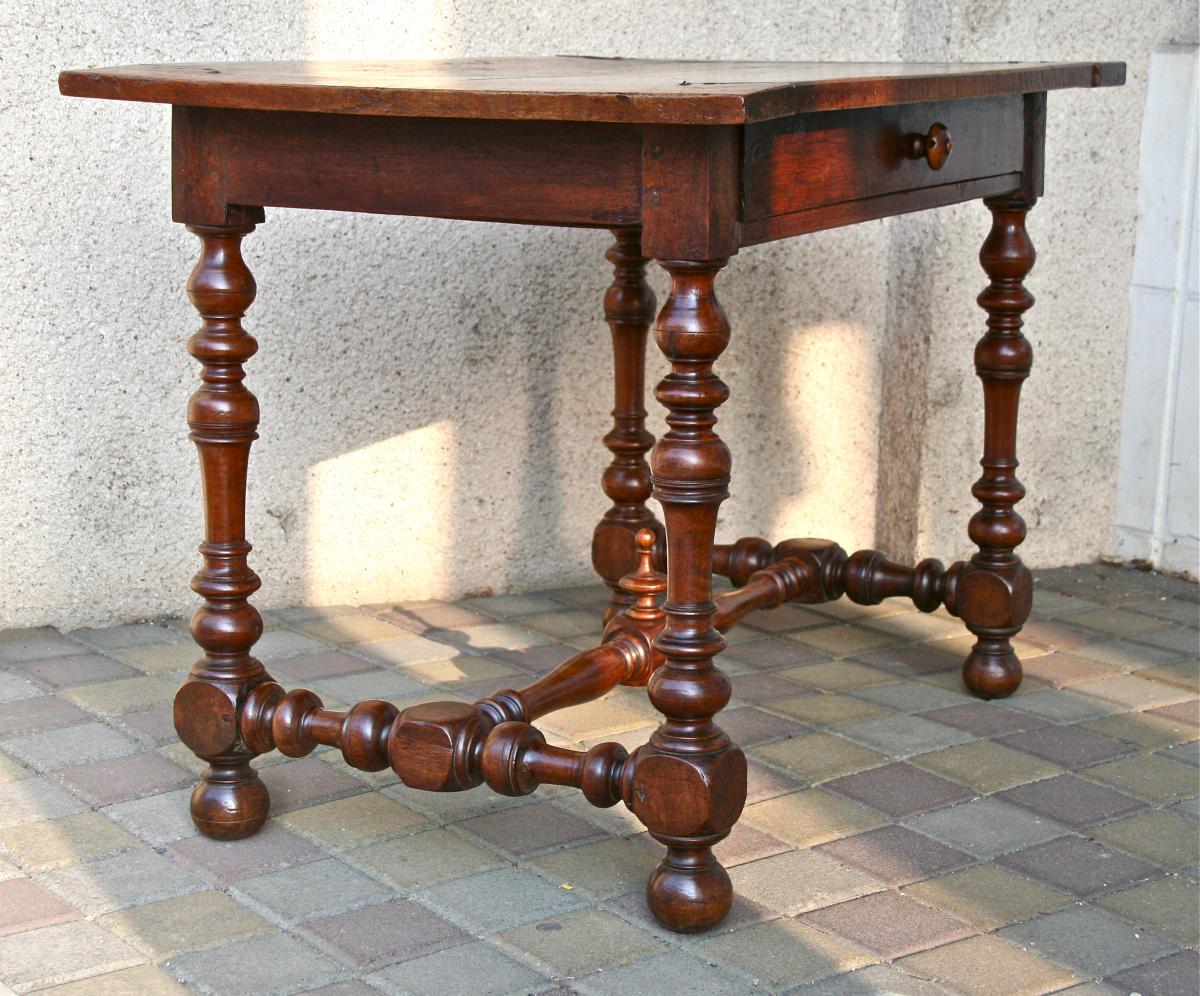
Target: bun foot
{"type": "Point", "coordinates": [992, 672]}
{"type": "Point", "coordinates": [230, 802]}
{"type": "Point", "coordinates": [689, 890]}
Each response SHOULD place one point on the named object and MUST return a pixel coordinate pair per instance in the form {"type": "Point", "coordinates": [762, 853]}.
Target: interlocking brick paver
{"type": "Point", "coordinates": [1133, 692]}
{"type": "Point", "coordinates": [374, 936]}
{"type": "Point", "coordinates": [129, 878]}
{"type": "Point", "coordinates": [1065, 705]}
{"type": "Point", "coordinates": [1140, 729]}
{"type": "Point", "coordinates": [31, 800]}
{"type": "Point", "coordinates": [604, 869]}
{"type": "Point", "coordinates": [1174, 975]}
{"type": "Point", "coordinates": [810, 816]}
{"type": "Point", "coordinates": [473, 969]}
{"type": "Point", "coordinates": [798, 881]}
{"type": "Point", "coordinates": [1073, 801]}
{"type": "Point", "coordinates": [37, 646]}
{"type": "Point", "coordinates": [988, 896]}
{"type": "Point", "coordinates": [11, 771]}
{"type": "Point", "coordinates": [899, 790]}
{"type": "Point", "coordinates": [154, 727]}
{"type": "Point", "coordinates": [1067, 746]}
{"type": "Point", "coordinates": [54, 749]}
{"type": "Point", "coordinates": [422, 859]}
{"type": "Point", "coordinates": [25, 905]}
{"type": "Point", "coordinates": [986, 766]}
{"type": "Point", "coordinates": [580, 942]}
{"type": "Point", "coordinates": [497, 900]}
{"type": "Point", "coordinates": [1181, 674]}
{"type": "Point", "coordinates": [1155, 779]}
{"type": "Point", "coordinates": [1166, 905]}
{"type": "Point", "coordinates": [1162, 838]}
{"type": "Point", "coordinates": [124, 637]}
{"type": "Point", "coordinates": [466, 671]}
{"type": "Point", "coordinates": [1061, 669]}
{"type": "Point", "coordinates": [1088, 941]}
{"type": "Point", "coordinates": [304, 781]}
{"type": "Point", "coordinates": [102, 783]}
{"type": "Point", "coordinates": [980, 966]}
{"type": "Point", "coordinates": [42, 846]}
{"type": "Point", "coordinates": [306, 668]}
{"type": "Point", "coordinates": [225, 862]}
{"type": "Point", "coordinates": [872, 981]}
{"type": "Point", "coordinates": [984, 719]}
{"type": "Point", "coordinates": [170, 926]}
{"type": "Point", "coordinates": [1081, 867]}
{"type": "Point", "coordinates": [1181, 712]}
{"type": "Point", "coordinates": [896, 855]}
{"type": "Point", "coordinates": [353, 821]}
{"type": "Point", "coordinates": [64, 672]}
{"type": "Point", "coordinates": [110, 698]}
{"type": "Point", "coordinates": [903, 736]}
{"type": "Point", "coordinates": [436, 615]}
{"type": "Point", "coordinates": [270, 962]}
{"type": "Point", "coordinates": [769, 655]}
{"type": "Point", "coordinates": [784, 953]}
{"type": "Point", "coordinates": [986, 827]}
{"type": "Point", "coordinates": [837, 676]}
{"type": "Point", "coordinates": [890, 923]}
{"type": "Point", "coordinates": [745, 843]}
{"type": "Point", "coordinates": [766, 783]}
{"type": "Point", "coordinates": [763, 687]}
{"type": "Point", "coordinates": [156, 819]}
{"type": "Point", "coordinates": [524, 830]}
{"type": "Point", "coordinates": [350, 629]}
{"type": "Point", "coordinates": [819, 756]}
{"type": "Point", "coordinates": [144, 980]}
{"type": "Point", "coordinates": [844, 639]}
{"type": "Point", "coordinates": [749, 726]}
{"type": "Point", "coordinates": [286, 643]}
{"type": "Point", "coordinates": [35, 959]}
{"type": "Point", "coordinates": [916, 660]}
{"type": "Point", "coordinates": [827, 709]}
{"type": "Point", "coordinates": [317, 888]}
{"type": "Point", "coordinates": [374, 683]}
{"type": "Point", "coordinates": [673, 973]}
{"type": "Point", "coordinates": [913, 696]}
{"type": "Point", "coordinates": [163, 659]}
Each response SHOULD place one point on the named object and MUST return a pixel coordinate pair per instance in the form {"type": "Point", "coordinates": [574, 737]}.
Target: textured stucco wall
{"type": "Point", "coordinates": [430, 418]}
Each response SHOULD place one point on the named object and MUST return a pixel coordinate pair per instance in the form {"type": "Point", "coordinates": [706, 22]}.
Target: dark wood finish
{"type": "Point", "coordinates": [995, 590]}
{"type": "Point", "coordinates": [629, 310]}
{"type": "Point", "coordinates": [686, 162]}
{"type": "Point", "coordinates": [230, 801]}
{"type": "Point", "coordinates": [577, 88]}
{"type": "Point", "coordinates": [689, 784]}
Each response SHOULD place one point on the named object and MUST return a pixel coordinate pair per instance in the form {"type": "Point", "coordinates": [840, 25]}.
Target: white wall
{"type": "Point", "coordinates": [1158, 511]}
{"type": "Point", "coordinates": [429, 424]}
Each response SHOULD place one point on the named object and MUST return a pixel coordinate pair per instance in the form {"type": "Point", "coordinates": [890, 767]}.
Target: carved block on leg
{"type": "Point", "coordinates": [994, 606]}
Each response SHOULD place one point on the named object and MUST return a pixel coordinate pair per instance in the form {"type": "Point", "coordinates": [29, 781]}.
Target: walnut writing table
{"type": "Point", "coordinates": [686, 162]}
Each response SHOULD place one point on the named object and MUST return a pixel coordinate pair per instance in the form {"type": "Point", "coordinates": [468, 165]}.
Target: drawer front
{"type": "Point", "coordinates": [814, 161]}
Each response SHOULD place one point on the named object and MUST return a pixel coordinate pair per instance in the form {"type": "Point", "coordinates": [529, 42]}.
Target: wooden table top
{"type": "Point", "coordinates": [577, 88]}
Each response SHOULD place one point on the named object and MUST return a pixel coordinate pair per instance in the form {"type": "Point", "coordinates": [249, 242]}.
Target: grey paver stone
{"type": "Point", "coordinates": [497, 900]}
{"type": "Point", "coordinates": [475, 969]}
{"type": "Point", "coordinates": [903, 736]}
{"type": "Point", "coordinates": [126, 879]}
{"type": "Point", "coordinates": [29, 800]}
{"type": "Point", "coordinates": [986, 827]}
{"type": "Point", "coordinates": [317, 888]}
{"type": "Point", "coordinates": [156, 819]}
{"type": "Point", "coordinates": [51, 750]}
{"type": "Point", "coordinates": [265, 964]}
{"type": "Point", "coordinates": [1087, 940]}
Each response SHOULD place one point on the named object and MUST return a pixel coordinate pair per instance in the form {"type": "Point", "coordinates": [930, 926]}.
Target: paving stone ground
{"type": "Point", "coordinates": [899, 837]}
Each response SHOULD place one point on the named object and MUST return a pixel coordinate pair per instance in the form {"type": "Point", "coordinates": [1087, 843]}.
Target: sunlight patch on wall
{"type": "Point", "coordinates": [833, 405]}
{"type": "Point", "coordinates": [381, 521]}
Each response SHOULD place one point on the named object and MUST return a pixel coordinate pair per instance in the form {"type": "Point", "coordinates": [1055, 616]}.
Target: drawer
{"type": "Point", "coordinates": [816, 162]}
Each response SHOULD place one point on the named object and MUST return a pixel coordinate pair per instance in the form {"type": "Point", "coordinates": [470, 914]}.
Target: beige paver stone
{"type": "Point", "coordinates": [982, 966]}
{"type": "Point", "coordinates": [837, 676]}
{"type": "Point", "coordinates": [421, 859]}
{"type": "Point", "coordinates": [988, 896]}
{"type": "Point", "coordinates": [167, 657]}
{"type": "Point", "coordinates": [355, 628]}
{"type": "Point", "coordinates": [36, 959]}
{"type": "Point", "coordinates": [826, 710]}
{"type": "Point", "coordinates": [602, 870]}
{"type": "Point", "coordinates": [144, 980]}
{"type": "Point", "coordinates": [1147, 776]}
{"type": "Point", "coordinates": [353, 822]}
{"type": "Point", "coordinates": [784, 953]}
{"type": "Point", "coordinates": [1181, 674]}
{"type": "Point", "coordinates": [798, 881]}
{"type": "Point", "coordinates": [12, 771]}
{"type": "Point", "coordinates": [986, 766]}
{"type": "Point", "coordinates": [1167, 905]}
{"type": "Point", "coordinates": [1133, 692]}
{"type": "Point", "coordinates": [600, 718]}
{"type": "Point", "coordinates": [201, 920]}
{"type": "Point", "coordinates": [463, 669]}
{"type": "Point", "coordinates": [51, 844]}
{"type": "Point", "coordinates": [1148, 732]}
{"type": "Point", "coordinates": [581, 942]}
{"type": "Point", "coordinates": [817, 757]}
{"type": "Point", "coordinates": [1117, 622]}
{"type": "Point", "coordinates": [810, 817]}
{"type": "Point", "coordinates": [1167, 840]}
{"type": "Point", "coordinates": [843, 640]}
{"type": "Point", "coordinates": [112, 698]}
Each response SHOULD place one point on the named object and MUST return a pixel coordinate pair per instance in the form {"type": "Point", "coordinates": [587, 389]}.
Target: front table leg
{"type": "Point", "coordinates": [230, 801]}
{"type": "Point", "coordinates": [995, 590]}
{"type": "Point", "coordinates": [689, 784]}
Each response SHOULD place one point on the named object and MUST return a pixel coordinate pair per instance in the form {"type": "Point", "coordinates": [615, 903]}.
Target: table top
{"type": "Point", "coordinates": [577, 88]}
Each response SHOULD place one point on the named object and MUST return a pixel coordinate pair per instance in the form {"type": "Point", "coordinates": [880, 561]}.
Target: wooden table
{"type": "Point", "coordinates": [687, 162]}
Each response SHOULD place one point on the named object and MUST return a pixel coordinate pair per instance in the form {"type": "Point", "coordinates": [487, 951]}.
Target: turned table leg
{"type": "Point", "coordinates": [629, 310]}
{"type": "Point", "coordinates": [994, 589]}
{"type": "Point", "coordinates": [689, 784]}
{"type": "Point", "coordinates": [230, 801]}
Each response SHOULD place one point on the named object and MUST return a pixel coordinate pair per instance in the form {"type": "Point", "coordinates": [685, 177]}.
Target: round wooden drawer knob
{"type": "Point", "coordinates": [934, 147]}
